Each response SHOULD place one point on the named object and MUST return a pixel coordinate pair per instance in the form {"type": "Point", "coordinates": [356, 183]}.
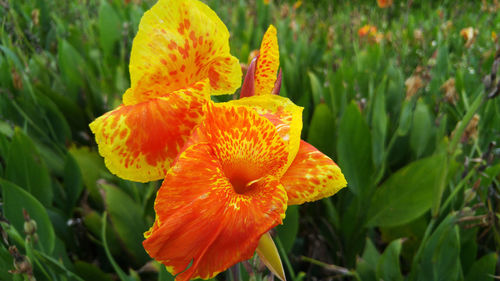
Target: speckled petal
{"type": "Point", "coordinates": [267, 63]}
{"type": "Point", "coordinates": [283, 113]}
{"type": "Point", "coordinates": [203, 219]}
{"type": "Point", "coordinates": [139, 142]}
{"type": "Point", "coordinates": [180, 43]}
{"type": "Point", "coordinates": [312, 176]}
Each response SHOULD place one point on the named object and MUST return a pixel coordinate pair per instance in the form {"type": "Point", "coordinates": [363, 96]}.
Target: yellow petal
{"type": "Point", "coordinates": [267, 63]}
{"type": "Point", "coordinates": [180, 43]}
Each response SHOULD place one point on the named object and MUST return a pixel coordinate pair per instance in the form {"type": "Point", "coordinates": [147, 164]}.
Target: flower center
{"type": "Point", "coordinates": [242, 177]}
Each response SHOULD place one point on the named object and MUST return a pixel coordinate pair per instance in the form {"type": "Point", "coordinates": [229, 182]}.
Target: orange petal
{"type": "Point", "coordinates": [202, 219]}
{"type": "Point", "coordinates": [180, 43]}
{"type": "Point", "coordinates": [283, 113]}
{"type": "Point", "coordinates": [267, 63]}
{"type": "Point", "coordinates": [312, 176]}
{"type": "Point", "coordinates": [246, 144]}
{"type": "Point", "coordinates": [139, 142]}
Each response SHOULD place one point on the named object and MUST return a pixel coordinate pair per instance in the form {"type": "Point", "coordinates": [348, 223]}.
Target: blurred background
{"type": "Point", "coordinates": [402, 95]}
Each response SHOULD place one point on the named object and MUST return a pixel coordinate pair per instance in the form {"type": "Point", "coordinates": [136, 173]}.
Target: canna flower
{"type": "Point", "coordinates": [230, 186]}
{"type": "Point", "coordinates": [180, 56]}
{"type": "Point", "coordinates": [240, 169]}
{"type": "Point", "coordinates": [230, 169]}
{"type": "Point", "coordinates": [384, 3]}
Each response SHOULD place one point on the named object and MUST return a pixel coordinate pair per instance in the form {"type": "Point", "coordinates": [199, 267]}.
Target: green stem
{"type": "Point", "coordinates": [459, 187]}
{"type": "Point", "coordinates": [463, 124]}
{"type": "Point", "coordinates": [332, 267]}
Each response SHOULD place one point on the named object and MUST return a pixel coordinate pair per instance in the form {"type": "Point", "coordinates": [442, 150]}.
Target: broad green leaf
{"type": "Point", "coordinates": [354, 149]}
{"type": "Point", "coordinates": [92, 169]}
{"type": "Point", "coordinates": [73, 67]}
{"type": "Point", "coordinates": [90, 271]}
{"type": "Point", "coordinates": [110, 29]}
{"type": "Point", "coordinates": [422, 129]}
{"type": "Point", "coordinates": [26, 168]}
{"type": "Point", "coordinates": [287, 231]}
{"type": "Point", "coordinates": [73, 182]}
{"type": "Point", "coordinates": [483, 269]}
{"type": "Point", "coordinates": [388, 268]}
{"type": "Point", "coordinates": [6, 264]}
{"type": "Point", "coordinates": [116, 267]}
{"type": "Point", "coordinates": [322, 130]}
{"type": "Point", "coordinates": [407, 194]}
{"type": "Point", "coordinates": [15, 199]}
{"type": "Point", "coordinates": [126, 217]}
{"type": "Point", "coordinates": [405, 118]}
{"type": "Point", "coordinates": [379, 125]}
{"type": "Point", "coordinates": [440, 258]}
{"type": "Point", "coordinates": [366, 265]}
{"type": "Point", "coordinates": [316, 88]}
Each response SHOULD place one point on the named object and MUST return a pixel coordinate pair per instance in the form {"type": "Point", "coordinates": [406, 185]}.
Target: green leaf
{"type": "Point", "coordinates": [405, 118]}
{"type": "Point", "coordinates": [73, 182]}
{"type": "Point", "coordinates": [116, 267]}
{"type": "Point", "coordinates": [92, 169]}
{"type": "Point", "coordinates": [109, 25]}
{"type": "Point", "coordinates": [440, 259]}
{"type": "Point", "coordinates": [322, 130]}
{"type": "Point", "coordinates": [422, 129]}
{"type": "Point", "coordinates": [89, 271]}
{"type": "Point", "coordinates": [26, 168]}
{"type": "Point", "coordinates": [316, 88]}
{"type": "Point", "coordinates": [15, 199]}
{"type": "Point", "coordinates": [407, 194]}
{"type": "Point", "coordinates": [126, 217]}
{"type": "Point", "coordinates": [73, 68]}
{"type": "Point", "coordinates": [287, 231]}
{"type": "Point", "coordinates": [366, 265]}
{"type": "Point", "coordinates": [388, 268]}
{"type": "Point", "coordinates": [379, 125]}
{"type": "Point", "coordinates": [354, 149]}
{"type": "Point", "coordinates": [483, 269]}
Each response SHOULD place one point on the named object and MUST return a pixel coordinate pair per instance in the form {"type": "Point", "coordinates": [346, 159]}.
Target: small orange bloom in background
{"type": "Point", "coordinates": [367, 30]}
{"type": "Point", "coordinates": [494, 36]}
{"type": "Point", "coordinates": [370, 33]}
{"type": "Point", "coordinates": [384, 3]}
{"type": "Point", "coordinates": [469, 34]}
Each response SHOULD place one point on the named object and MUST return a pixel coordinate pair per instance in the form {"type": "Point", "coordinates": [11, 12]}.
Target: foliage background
{"type": "Point", "coordinates": [423, 195]}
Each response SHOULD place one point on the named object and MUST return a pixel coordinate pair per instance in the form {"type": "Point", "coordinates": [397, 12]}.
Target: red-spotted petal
{"type": "Point", "coordinates": [247, 145]}
{"type": "Point", "coordinates": [202, 219]}
{"type": "Point", "coordinates": [283, 113]}
{"type": "Point", "coordinates": [312, 176]}
{"type": "Point", "coordinates": [180, 43]}
{"type": "Point", "coordinates": [139, 142]}
{"type": "Point", "coordinates": [267, 63]}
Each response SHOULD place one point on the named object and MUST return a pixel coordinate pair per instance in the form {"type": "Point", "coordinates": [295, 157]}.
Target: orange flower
{"type": "Point", "coordinates": [384, 3]}
{"type": "Point", "coordinates": [370, 32]}
{"type": "Point", "coordinates": [367, 30]}
{"type": "Point", "coordinates": [230, 186]}
{"type": "Point", "coordinates": [180, 56]}
{"type": "Point", "coordinates": [230, 169]}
